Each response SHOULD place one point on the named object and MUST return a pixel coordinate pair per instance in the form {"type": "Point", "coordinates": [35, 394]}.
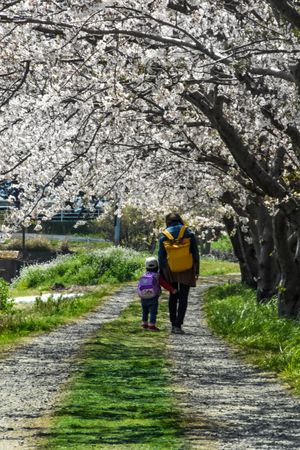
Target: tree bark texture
{"type": "Point", "coordinates": [268, 270]}
{"type": "Point", "coordinates": [289, 285]}
{"type": "Point", "coordinates": [244, 252]}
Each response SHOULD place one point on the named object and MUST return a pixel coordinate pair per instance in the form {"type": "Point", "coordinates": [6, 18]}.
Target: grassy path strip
{"type": "Point", "coordinates": [32, 375]}
{"type": "Point", "coordinates": [121, 397]}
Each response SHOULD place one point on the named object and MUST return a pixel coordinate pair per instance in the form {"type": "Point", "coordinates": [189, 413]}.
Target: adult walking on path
{"type": "Point", "coordinates": [178, 257]}
{"type": "Point", "coordinates": [228, 404]}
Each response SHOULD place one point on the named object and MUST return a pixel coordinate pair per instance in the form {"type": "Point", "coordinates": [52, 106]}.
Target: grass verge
{"type": "Point", "coordinates": [120, 397]}
{"type": "Point", "coordinates": [212, 266]}
{"type": "Point", "coordinates": [44, 316]}
{"type": "Point", "coordinates": [263, 338]}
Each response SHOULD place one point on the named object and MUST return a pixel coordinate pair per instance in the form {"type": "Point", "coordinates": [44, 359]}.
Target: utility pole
{"type": "Point", "coordinates": [23, 238]}
{"type": "Point", "coordinates": [117, 230]}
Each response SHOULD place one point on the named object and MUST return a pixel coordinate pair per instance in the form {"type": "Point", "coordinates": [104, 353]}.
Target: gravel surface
{"type": "Point", "coordinates": [32, 375]}
{"type": "Point", "coordinates": [226, 403]}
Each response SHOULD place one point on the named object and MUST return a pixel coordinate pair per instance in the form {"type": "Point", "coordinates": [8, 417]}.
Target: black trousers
{"type": "Point", "coordinates": [178, 304]}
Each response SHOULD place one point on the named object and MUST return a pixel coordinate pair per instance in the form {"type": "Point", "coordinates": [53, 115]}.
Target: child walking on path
{"type": "Point", "coordinates": [149, 290]}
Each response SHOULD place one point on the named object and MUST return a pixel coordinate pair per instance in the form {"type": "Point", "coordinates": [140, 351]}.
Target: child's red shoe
{"type": "Point", "coordinates": [153, 328]}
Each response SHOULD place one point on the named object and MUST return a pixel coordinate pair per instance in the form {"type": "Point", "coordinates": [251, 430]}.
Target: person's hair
{"type": "Point", "coordinates": [173, 217]}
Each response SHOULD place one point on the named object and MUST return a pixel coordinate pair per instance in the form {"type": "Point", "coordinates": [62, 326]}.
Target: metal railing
{"type": "Point", "coordinates": [68, 215]}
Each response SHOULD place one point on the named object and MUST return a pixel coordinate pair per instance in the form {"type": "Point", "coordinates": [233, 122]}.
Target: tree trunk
{"type": "Point", "coordinates": [244, 252]}
{"type": "Point", "coordinates": [267, 260]}
{"type": "Point", "coordinates": [289, 285]}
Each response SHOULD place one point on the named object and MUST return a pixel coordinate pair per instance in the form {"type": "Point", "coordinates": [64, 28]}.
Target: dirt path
{"type": "Point", "coordinates": [31, 377]}
{"type": "Point", "coordinates": [228, 404]}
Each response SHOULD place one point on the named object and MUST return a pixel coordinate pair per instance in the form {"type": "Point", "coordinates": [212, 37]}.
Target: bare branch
{"type": "Point", "coordinates": [19, 163]}
{"type": "Point", "coordinates": [26, 71]}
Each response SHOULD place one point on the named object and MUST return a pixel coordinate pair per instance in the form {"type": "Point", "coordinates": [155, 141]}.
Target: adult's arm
{"type": "Point", "coordinates": [166, 285]}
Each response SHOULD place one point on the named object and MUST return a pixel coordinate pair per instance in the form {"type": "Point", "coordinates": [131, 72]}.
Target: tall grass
{"type": "Point", "coordinates": [264, 339]}
{"type": "Point", "coordinates": [108, 265]}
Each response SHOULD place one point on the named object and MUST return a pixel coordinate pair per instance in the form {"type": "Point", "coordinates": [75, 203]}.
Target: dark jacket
{"type": "Point", "coordinates": [188, 276]}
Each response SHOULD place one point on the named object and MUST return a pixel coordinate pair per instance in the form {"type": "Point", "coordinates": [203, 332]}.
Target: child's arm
{"type": "Point", "coordinates": [166, 285]}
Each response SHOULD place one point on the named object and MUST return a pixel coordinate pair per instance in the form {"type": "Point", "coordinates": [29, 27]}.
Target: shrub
{"type": "Point", "coordinates": [102, 265]}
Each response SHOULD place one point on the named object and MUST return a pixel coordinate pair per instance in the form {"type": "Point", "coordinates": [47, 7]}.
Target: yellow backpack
{"type": "Point", "coordinates": [179, 256]}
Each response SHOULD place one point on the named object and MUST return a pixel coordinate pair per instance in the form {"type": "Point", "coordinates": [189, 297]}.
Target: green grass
{"type": "Point", "coordinates": [44, 316]}
{"type": "Point", "coordinates": [78, 246]}
{"type": "Point", "coordinates": [109, 265]}
{"type": "Point", "coordinates": [120, 397]}
{"type": "Point", "coordinates": [263, 338]}
{"type": "Point", "coordinates": [223, 243]}
{"type": "Point", "coordinates": [212, 266]}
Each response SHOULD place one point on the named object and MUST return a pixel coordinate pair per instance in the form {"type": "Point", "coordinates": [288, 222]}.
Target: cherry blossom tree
{"type": "Point", "coordinates": [179, 103]}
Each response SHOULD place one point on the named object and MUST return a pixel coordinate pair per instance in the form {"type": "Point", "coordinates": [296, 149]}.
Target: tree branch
{"type": "Point", "coordinates": [243, 157]}
{"type": "Point", "coordinates": [26, 71]}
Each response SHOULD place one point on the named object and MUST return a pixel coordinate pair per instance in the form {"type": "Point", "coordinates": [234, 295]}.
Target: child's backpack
{"type": "Point", "coordinates": [179, 256]}
{"type": "Point", "coordinates": [148, 285]}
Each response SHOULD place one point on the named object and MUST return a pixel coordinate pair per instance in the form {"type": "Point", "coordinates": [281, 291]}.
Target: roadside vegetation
{"type": "Point", "coordinates": [100, 272]}
{"type": "Point", "coordinates": [21, 321]}
{"type": "Point", "coordinates": [95, 267]}
{"type": "Point", "coordinates": [135, 407]}
{"type": "Point", "coordinates": [42, 244]}
{"type": "Point", "coordinates": [255, 330]}
{"type": "Point", "coordinates": [109, 265]}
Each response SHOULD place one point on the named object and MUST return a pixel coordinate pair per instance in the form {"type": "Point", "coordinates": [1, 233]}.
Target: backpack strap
{"type": "Point", "coordinates": [168, 235]}
{"type": "Point", "coordinates": [181, 232]}
{"type": "Point", "coordinates": [180, 235]}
